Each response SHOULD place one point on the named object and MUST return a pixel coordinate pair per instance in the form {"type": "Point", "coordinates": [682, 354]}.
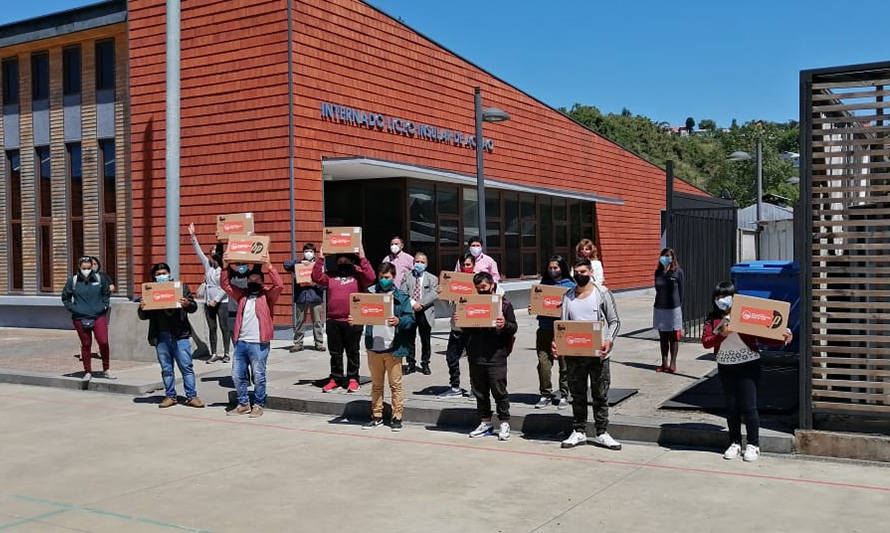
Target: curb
{"type": "Point", "coordinates": [43, 379]}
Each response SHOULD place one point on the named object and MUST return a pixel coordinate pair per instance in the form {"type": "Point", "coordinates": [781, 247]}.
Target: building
{"type": "Point", "coordinates": [383, 138]}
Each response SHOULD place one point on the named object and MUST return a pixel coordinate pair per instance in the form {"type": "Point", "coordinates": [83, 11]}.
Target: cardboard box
{"type": "Point", "coordinates": [370, 309]}
{"type": "Point", "coordinates": [162, 295]}
{"type": "Point", "coordinates": [455, 285]}
{"type": "Point", "coordinates": [546, 300]}
{"type": "Point", "coordinates": [578, 338]}
{"type": "Point", "coordinates": [303, 273]}
{"type": "Point", "coordinates": [759, 316]}
{"type": "Point", "coordinates": [341, 240]}
{"type": "Point", "coordinates": [239, 224]}
{"type": "Point", "coordinates": [247, 249]}
{"type": "Point", "coordinates": [477, 311]}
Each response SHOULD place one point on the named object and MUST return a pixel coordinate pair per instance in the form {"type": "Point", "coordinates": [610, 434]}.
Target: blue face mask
{"type": "Point", "coordinates": [385, 283]}
{"type": "Point", "coordinates": [242, 269]}
{"type": "Point", "coordinates": [162, 278]}
{"type": "Point", "coordinates": [419, 268]}
{"type": "Point", "coordinates": [665, 260]}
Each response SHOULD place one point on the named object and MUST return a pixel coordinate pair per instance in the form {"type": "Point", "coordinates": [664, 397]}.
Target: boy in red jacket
{"type": "Point", "coordinates": [253, 333]}
{"type": "Point", "coordinates": [342, 282]}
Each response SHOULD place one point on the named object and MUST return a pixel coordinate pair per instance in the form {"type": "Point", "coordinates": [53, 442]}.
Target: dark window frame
{"type": "Point", "coordinates": [14, 191]}
{"type": "Point", "coordinates": [39, 77]}
{"type": "Point", "coordinates": [75, 227]}
{"type": "Point", "coordinates": [109, 218]}
{"type": "Point", "coordinates": [44, 217]}
{"type": "Point", "coordinates": [105, 79]}
{"type": "Point", "coordinates": [11, 90]}
{"type": "Point", "coordinates": [70, 74]}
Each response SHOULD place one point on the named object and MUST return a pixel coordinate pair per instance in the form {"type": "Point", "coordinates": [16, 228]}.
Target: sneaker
{"type": "Point", "coordinates": [563, 404]}
{"type": "Point", "coordinates": [576, 438]}
{"type": "Point", "coordinates": [240, 410]}
{"type": "Point", "coordinates": [195, 402]}
{"type": "Point", "coordinates": [484, 429]}
{"type": "Point", "coordinates": [396, 424]}
{"type": "Point", "coordinates": [732, 452]}
{"type": "Point", "coordinates": [425, 369]}
{"type": "Point", "coordinates": [320, 348]}
{"type": "Point", "coordinates": [751, 453]}
{"type": "Point", "coordinates": [606, 441]}
{"type": "Point", "coordinates": [353, 386]}
{"type": "Point", "coordinates": [504, 432]}
{"type": "Point", "coordinates": [226, 359]}
{"type": "Point", "coordinates": [409, 369]}
{"type": "Point", "coordinates": [373, 423]}
{"type": "Point", "coordinates": [296, 348]}
{"type": "Point", "coordinates": [256, 412]}
{"type": "Point", "coordinates": [543, 402]}
{"type": "Point", "coordinates": [212, 359]}
{"type": "Point", "coordinates": [167, 402]}
{"type": "Point", "coordinates": [330, 386]}
{"type": "Point", "coordinates": [452, 392]}
{"type": "Point", "coordinates": [87, 376]}
{"type": "Point", "coordinates": [106, 374]}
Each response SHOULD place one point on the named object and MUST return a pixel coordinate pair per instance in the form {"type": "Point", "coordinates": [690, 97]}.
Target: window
{"type": "Point", "coordinates": [10, 81]}
{"type": "Point", "coordinates": [512, 226]}
{"type": "Point", "coordinates": [71, 71]}
{"type": "Point", "coordinates": [40, 76]}
{"type": "Point", "coordinates": [14, 175]}
{"type": "Point", "coordinates": [45, 217]}
{"type": "Point", "coordinates": [108, 175]}
{"type": "Point", "coordinates": [75, 195]}
{"type": "Point", "coordinates": [104, 65]}
{"type": "Point", "coordinates": [471, 213]}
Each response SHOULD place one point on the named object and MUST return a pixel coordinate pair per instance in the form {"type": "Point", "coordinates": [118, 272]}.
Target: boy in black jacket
{"type": "Point", "coordinates": [487, 351]}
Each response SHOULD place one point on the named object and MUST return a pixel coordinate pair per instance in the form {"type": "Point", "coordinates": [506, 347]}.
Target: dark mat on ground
{"type": "Point", "coordinates": [649, 334]}
{"type": "Point", "coordinates": [777, 393]}
{"type": "Point", "coordinates": [616, 396]}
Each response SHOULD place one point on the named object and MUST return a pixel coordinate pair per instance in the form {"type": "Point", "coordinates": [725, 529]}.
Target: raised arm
{"type": "Point", "coordinates": [365, 274]}
{"type": "Point", "coordinates": [227, 286]}
{"type": "Point", "coordinates": [201, 256]}
{"type": "Point", "coordinates": [277, 285]}
{"type": "Point", "coordinates": [318, 274]}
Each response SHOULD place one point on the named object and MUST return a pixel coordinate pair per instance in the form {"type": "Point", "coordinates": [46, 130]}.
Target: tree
{"type": "Point", "coordinates": [690, 123]}
{"type": "Point", "coordinates": [734, 124]}
{"type": "Point", "coordinates": [708, 125]}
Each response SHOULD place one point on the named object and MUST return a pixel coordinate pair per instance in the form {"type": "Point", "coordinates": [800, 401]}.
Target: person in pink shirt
{"type": "Point", "coordinates": [484, 263]}
{"type": "Point", "coordinates": [403, 261]}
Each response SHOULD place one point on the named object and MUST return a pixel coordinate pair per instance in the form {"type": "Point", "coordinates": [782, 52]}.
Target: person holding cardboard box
{"type": "Point", "coordinates": [423, 289]}
{"type": "Point", "coordinates": [590, 302]}
{"type": "Point", "coordinates": [343, 281]}
{"type": "Point", "coordinates": [738, 365]}
{"type": "Point", "coordinates": [456, 345]}
{"type": "Point", "coordinates": [403, 261]}
{"type": "Point", "coordinates": [308, 298]}
{"type": "Point", "coordinates": [667, 313]}
{"type": "Point", "coordinates": [557, 274]}
{"type": "Point", "coordinates": [216, 301]}
{"type": "Point", "coordinates": [254, 330]}
{"type": "Point", "coordinates": [87, 296]}
{"type": "Point", "coordinates": [487, 351]}
{"type": "Point", "coordinates": [482, 262]}
{"type": "Point", "coordinates": [170, 332]}
{"type": "Point", "coordinates": [585, 249]}
{"type": "Point", "coordinates": [387, 344]}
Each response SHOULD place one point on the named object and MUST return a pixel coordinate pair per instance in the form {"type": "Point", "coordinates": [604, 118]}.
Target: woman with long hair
{"type": "Point", "coordinates": [667, 315]}
{"type": "Point", "coordinates": [585, 249]}
{"type": "Point", "coordinates": [556, 273]}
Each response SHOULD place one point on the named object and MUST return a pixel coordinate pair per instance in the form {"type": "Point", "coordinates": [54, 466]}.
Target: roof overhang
{"type": "Point", "coordinates": [363, 168]}
{"type": "Point", "coordinates": [64, 22]}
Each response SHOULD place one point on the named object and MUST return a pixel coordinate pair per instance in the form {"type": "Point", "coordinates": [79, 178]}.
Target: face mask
{"type": "Point", "coordinates": [582, 280]}
{"type": "Point", "coordinates": [308, 255]}
{"type": "Point", "coordinates": [419, 268]}
{"type": "Point", "coordinates": [162, 278]}
{"type": "Point", "coordinates": [254, 287]}
{"type": "Point", "coordinates": [385, 283]}
{"type": "Point", "coordinates": [345, 270]}
{"type": "Point", "coordinates": [725, 303]}
{"type": "Point", "coordinates": [555, 273]}
{"type": "Point", "coordinates": [665, 260]}
{"type": "Point", "coordinates": [242, 269]}
{"type": "Point", "coordinates": [85, 272]}
{"type": "Point", "coordinates": [395, 249]}
{"type": "Point", "coordinates": [489, 291]}
{"type": "Point", "coordinates": [95, 269]}
{"type": "Point", "coordinates": [466, 270]}
{"type": "Point", "coordinates": [476, 251]}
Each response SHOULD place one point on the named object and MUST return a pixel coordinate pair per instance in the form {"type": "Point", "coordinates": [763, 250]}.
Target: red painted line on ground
{"type": "Point", "coordinates": [526, 453]}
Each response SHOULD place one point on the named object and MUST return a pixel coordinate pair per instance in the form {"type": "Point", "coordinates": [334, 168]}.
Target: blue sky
{"type": "Point", "coordinates": [664, 59]}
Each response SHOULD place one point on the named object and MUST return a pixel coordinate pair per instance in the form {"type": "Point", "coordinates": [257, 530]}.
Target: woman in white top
{"type": "Point", "coordinates": [214, 298]}
{"type": "Point", "coordinates": [587, 250]}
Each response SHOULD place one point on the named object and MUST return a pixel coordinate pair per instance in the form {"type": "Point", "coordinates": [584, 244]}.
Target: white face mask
{"type": "Point", "coordinates": [309, 255]}
{"type": "Point", "coordinates": [476, 251]}
{"type": "Point", "coordinates": [395, 248]}
{"type": "Point", "coordinates": [725, 303]}
{"type": "Point", "coordinates": [85, 272]}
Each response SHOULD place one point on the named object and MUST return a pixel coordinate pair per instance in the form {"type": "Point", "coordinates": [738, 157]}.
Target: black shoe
{"type": "Point", "coordinates": [410, 368]}
{"type": "Point", "coordinates": [425, 369]}
{"type": "Point", "coordinates": [373, 423]}
{"type": "Point", "coordinates": [396, 424]}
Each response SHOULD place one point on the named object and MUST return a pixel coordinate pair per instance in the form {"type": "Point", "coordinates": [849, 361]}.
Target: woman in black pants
{"type": "Point", "coordinates": [738, 364]}
{"type": "Point", "coordinates": [667, 317]}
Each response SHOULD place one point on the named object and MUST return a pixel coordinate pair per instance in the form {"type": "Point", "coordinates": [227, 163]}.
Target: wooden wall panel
{"type": "Point", "coordinates": [28, 174]}
{"type": "Point", "coordinates": [61, 261]}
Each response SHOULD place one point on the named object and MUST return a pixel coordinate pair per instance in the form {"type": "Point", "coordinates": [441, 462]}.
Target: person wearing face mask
{"type": "Point", "coordinates": [254, 330]}
{"type": "Point", "coordinates": [344, 280]}
{"type": "Point", "coordinates": [590, 302]}
{"type": "Point", "coordinates": [238, 278]}
{"type": "Point", "coordinates": [422, 287]}
{"type": "Point", "coordinates": [557, 273]}
{"type": "Point", "coordinates": [216, 301]}
{"type": "Point", "coordinates": [482, 263]}
{"type": "Point", "coordinates": [587, 250]}
{"type": "Point", "coordinates": [97, 269]}
{"type": "Point", "coordinates": [386, 346]}
{"type": "Point", "coordinates": [307, 299]}
{"type": "Point", "coordinates": [87, 296]}
{"type": "Point", "coordinates": [456, 341]}
{"type": "Point", "coordinates": [738, 365]}
{"type": "Point", "coordinates": [169, 331]}
{"type": "Point", "coordinates": [667, 315]}
{"type": "Point", "coordinates": [403, 261]}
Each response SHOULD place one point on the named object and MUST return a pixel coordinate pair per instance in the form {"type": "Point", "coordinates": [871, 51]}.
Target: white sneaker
{"type": "Point", "coordinates": [484, 429]}
{"type": "Point", "coordinates": [606, 441]}
{"type": "Point", "coordinates": [751, 453]}
{"type": "Point", "coordinates": [543, 402]}
{"type": "Point", "coordinates": [732, 452]}
{"type": "Point", "coordinates": [504, 432]}
{"type": "Point", "coordinates": [87, 376]}
{"type": "Point", "coordinates": [576, 438]}
{"type": "Point", "coordinates": [563, 404]}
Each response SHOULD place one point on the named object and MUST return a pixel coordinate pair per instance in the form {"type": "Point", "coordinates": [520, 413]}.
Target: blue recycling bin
{"type": "Point", "coordinates": [776, 280]}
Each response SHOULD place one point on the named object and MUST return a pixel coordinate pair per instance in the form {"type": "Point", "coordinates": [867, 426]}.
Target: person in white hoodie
{"type": "Point", "coordinates": [215, 300]}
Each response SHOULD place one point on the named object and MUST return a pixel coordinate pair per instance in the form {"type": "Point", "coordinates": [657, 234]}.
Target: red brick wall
{"type": "Point", "coordinates": [234, 125]}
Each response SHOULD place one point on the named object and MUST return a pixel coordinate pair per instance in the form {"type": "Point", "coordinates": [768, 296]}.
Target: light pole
{"type": "Point", "coordinates": [171, 158]}
{"type": "Point", "coordinates": [491, 114]}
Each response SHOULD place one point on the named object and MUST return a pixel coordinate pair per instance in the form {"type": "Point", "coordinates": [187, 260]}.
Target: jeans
{"type": "Point", "coordinates": [180, 350]}
{"type": "Point", "coordinates": [487, 379]}
{"type": "Point", "coordinates": [100, 330]}
{"type": "Point", "coordinates": [456, 347]}
{"type": "Point", "coordinates": [254, 354]}
{"type": "Point", "coordinates": [214, 314]}
{"type": "Point", "coordinates": [424, 330]}
{"type": "Point", "coordinates": [317, 327]}
{"type": "Point", "coordinates": [597, 370]}
{"type": "Point", "coordinates": [342, 336]}
{"type": "Point", "coordinates": [740, 384]}
{"type": "Point", "coordinates": [544, 347]}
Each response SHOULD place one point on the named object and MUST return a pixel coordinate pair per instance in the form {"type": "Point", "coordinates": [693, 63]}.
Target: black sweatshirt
{"type": "Point", "coordinates": [669, 289]}
{"type": "Point", "coordinates": [491, 346]}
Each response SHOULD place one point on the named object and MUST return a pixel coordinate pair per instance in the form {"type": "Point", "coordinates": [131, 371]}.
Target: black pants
{"type": "Point", "coordinates": [218, 313]}
{"type": "Point", "coordinates": [599, 374]}
{"type": "Point", "coordinates": [422, 327]}
{"type": "Point", "coordinates": [491, 379]}
{"type": "Point", "coordinates": [740, 384]}
{"type": "Point", "coordinates": [453, 352]}
{"type": "Point", "coordinates": [342, 336]}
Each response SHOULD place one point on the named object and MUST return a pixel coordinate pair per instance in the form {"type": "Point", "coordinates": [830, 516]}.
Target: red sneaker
{"type": "Point", "coordinates": [353, 386]}
{"type": "Point", "coordinates": [660, 369]}
{"type": "Point", "coordinates": [330, 386]}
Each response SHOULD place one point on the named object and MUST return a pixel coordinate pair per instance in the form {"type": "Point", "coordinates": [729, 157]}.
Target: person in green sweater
{"type": "Point", "coordinates": [87, 296]}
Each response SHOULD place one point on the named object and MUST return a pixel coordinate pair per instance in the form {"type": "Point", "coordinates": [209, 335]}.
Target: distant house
{"type": "Point", "coordinates": [774, 241]}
